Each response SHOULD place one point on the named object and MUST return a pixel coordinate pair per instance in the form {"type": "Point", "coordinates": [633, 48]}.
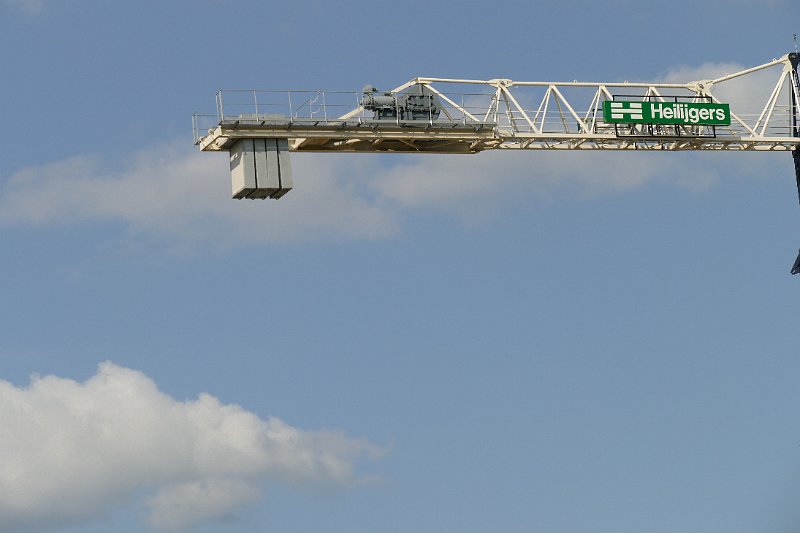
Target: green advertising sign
{"type": "Point", "coordinates": [680, 113]}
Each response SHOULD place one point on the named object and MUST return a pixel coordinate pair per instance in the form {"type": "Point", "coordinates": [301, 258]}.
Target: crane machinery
{"type": "Point", "coordinates": [754, 109]}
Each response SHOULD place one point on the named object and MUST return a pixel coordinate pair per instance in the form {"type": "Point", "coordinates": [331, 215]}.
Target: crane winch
{"type": "Point", "coordinates": [755, 109]}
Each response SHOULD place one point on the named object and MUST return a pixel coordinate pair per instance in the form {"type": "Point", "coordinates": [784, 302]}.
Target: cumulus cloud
{"type": "Point", "coordinates": [747, 94]}
{"type": "Point", "coordinates": [177, 507]}
{"type": "Point", "coordinates": [461, 182]}
{"type": "Point", "coordinates": [78, 449]}
{"type": "Point", "coordinates": [184, 196]}
{"type": "Point", "coordinates": [179, 196]}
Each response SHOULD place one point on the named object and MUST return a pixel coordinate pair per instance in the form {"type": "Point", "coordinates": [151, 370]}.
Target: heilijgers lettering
{"type": "Point", "coordinates": [686, 113]}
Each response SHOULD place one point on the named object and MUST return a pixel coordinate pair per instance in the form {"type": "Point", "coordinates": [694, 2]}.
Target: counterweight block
{"type": "Point", "coordinates": [260, 168]}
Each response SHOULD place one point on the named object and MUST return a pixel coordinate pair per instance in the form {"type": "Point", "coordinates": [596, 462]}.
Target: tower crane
{"type": "Point", "coordinates": [755, 109]}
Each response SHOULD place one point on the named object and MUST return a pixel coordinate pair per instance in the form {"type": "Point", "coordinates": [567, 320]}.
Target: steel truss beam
{"type": "Point", "coordinates": [481, 115]}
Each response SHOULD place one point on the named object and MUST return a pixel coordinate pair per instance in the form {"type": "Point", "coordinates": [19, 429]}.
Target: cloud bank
{"type": "Point", "coordinates": [78, 449]}
{"type": "Point", "coordinates": [180, 197]}
{"type": "Point", "coordinates": [176, 194]}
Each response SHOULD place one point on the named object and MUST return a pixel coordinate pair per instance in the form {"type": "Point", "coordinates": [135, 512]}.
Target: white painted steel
{"type": "Point", "coordinates": [507, 114]}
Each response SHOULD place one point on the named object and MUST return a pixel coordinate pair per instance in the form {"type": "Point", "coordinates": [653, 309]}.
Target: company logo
{"type": "Point", "coordinates": [622, 110]}
{"type": "Point", "coordinates": [678, 113]}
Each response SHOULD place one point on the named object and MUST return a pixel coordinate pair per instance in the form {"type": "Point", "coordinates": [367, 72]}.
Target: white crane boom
{"type": "Point", "coordinates": [469, 116]}
{"type": "Point", "coordinates": [755, 109]}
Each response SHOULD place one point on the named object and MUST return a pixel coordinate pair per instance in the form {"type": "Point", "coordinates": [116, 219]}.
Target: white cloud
{"type": "Point", "coordinates": [181, 197]}
{"type": "Point", "coordinates": [184, 196]}
{"type": "Point", "coordinates": [706, 71]}
{"type": "Point", "coordinates": [462, 182]}
{"type": "Point", "coordinates": [747, 94]}
{"type": "Point", "coordinates": [78, 449]}
{"type": "Point", "coordinates": [180, 506]}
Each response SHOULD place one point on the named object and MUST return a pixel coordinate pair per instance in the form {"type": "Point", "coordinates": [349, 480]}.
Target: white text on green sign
{"type": "Point", "coordinates": [680, 113]}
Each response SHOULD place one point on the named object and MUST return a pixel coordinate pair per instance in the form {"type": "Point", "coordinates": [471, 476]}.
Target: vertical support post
{"type": "Point", "coordinates": [794, 59]}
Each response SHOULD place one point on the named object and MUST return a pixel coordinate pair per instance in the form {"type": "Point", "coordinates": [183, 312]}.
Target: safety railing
{"type": "Point", "coordinates": [530, 110]}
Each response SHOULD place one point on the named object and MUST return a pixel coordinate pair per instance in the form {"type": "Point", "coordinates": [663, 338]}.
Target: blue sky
{"type": "Point", "coordinates": [516, 342]}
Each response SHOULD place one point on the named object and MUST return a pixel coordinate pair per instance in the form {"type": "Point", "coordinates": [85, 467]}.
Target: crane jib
{"type": "Point", "coordinates": [434, 115]}
{"type": "Point", "coordinates": [659, 112]}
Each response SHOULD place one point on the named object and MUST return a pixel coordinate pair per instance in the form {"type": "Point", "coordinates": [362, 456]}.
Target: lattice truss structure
{"type": "Point", "coordinates": [468, 116]}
